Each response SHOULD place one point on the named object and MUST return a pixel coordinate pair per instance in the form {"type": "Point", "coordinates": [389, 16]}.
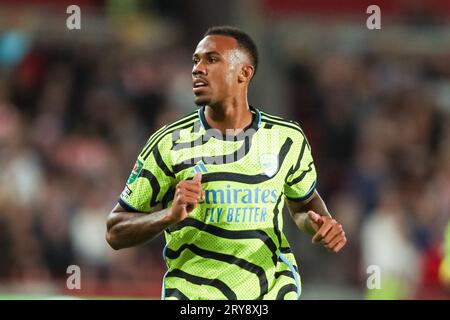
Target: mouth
{"type": "Point", "coordinates": [199, 84]}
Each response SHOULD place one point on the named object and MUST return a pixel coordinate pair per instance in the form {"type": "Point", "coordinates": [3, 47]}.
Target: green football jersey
{"type": "Point", "coordinates": [444, 270]}
{"type": "Point", "coordinates": [232, 245]}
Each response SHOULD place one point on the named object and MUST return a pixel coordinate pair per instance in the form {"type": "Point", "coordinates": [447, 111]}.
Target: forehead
{"type": "Point", "coordinates": [217, 43]}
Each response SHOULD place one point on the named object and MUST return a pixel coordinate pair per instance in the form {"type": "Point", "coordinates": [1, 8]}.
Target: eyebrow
{"type": "Point", "coordinates": [209, 53]}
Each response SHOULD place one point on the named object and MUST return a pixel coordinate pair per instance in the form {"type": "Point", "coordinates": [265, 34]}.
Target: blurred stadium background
{"type": "Point", "coordinates": [77, 106]}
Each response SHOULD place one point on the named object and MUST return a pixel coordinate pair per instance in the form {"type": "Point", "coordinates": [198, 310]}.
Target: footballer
{"type": "Point", "coordinates": [216, 181]}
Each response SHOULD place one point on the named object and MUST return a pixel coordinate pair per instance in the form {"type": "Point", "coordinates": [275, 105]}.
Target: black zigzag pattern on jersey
{"type": "Point", "coordinates": [154, 184]}
{"type": "Point", "coordinates": [285, 290]}
{"type": "Point", "coordinates": [244, 264]}
{"type": "Point", "coordinates": [229, 234]}
{"type": "Point", "coordinates": [176, 293]}
{"type": "Point", "coordinates": [285, 250]}
{"type": "Point", "coordinates": [216, 283]}
{"type": "Point", "coordinates": [168, 197]}
{"type": "Point", "coordinates": [187, 145]}
{"type": "Point", "coordinates": [300, 158]}
{"type": "Point", "coordinates": [302, 175]}
{"type": "Point", "coordinates": [249, 179]}
{"type": "Point", "coordinates": [156, 137]}
{"type": "Point", "coordinates": [160, 162]}
{"type": "Point", "coordinates": [203, 139]}
{"type": "Point", "coordinates": [266, 118]}
{"type": "Point", "coordinates": [276, 226]}
{"type": "Point", "coordinates": [286, 273]}
{"type": "Point", "coordinates": [287, 122]}
{"type": "Point", "coordinates": [220, 159]}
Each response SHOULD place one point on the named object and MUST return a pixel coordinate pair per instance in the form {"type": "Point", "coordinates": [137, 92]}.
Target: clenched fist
{"type": "Point", "coordinates": [187, 195]}
{"type": "Point", "coordinates": [328, 231]}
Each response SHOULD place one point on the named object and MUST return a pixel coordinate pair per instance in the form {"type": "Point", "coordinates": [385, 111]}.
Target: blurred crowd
{"type": "Point", "coordinates": [380, 127]}
{"type": "Point", "coordinates": [72, 121]}
{"type": "Point", "coordinates": [73, 117]}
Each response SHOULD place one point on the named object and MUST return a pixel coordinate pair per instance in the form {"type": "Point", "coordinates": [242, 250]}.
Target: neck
{"type": "Point", "coordinates": [234, 115]}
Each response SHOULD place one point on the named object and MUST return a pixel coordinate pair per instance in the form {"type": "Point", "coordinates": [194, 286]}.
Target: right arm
{"type": "Point", "coordinates": [128, 229]}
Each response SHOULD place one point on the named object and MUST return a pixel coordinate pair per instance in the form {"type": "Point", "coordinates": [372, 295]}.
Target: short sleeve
{"type": "Point", "coordinates": [151, 177]}
{"type": "Point", "coordinates": [302, 178]}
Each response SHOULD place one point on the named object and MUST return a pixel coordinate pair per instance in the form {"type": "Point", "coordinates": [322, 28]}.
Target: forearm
{"type": "Point", "coordinates": [304, 223]}
{"type": "Point", "coordinates": [317, 205]}
{"type": "Point", "coordinates": [300, 212]}
{"type": "Point", "coordinates": [127, 229]}
{"type": "Point", "coordinates": [312, 217]}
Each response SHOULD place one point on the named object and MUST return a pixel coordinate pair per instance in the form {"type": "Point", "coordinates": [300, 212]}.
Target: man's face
{"type": "Point", "coordinates": [216, 65]}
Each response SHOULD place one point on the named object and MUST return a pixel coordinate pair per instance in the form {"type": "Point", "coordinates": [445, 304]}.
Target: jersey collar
{"type": "Point", "coordinates": [256, 122]}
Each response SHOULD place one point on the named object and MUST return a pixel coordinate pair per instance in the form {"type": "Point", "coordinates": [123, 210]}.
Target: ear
{"type": "Point", "coordinates": [246, 73]}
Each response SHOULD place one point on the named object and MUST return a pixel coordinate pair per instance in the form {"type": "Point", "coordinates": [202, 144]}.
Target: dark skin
{"type": "Point", "coordinates": [227, 71]}
{"type": "Point", "coordinates": [128, 229]}
{"type": "Point", "coordinates": [312, 217]}
{"type": "Point", "coordinates": [221, 75]}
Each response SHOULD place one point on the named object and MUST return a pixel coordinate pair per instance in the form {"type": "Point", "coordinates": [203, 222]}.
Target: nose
{"type": "Point", "coordinates": [199, 68]}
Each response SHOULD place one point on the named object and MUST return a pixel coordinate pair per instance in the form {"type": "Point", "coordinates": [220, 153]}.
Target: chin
{"type": "Point", "coordinates": [201, 101]}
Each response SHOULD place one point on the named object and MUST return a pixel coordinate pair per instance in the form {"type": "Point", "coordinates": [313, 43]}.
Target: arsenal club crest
{"type": "Point", "coordinates": [269, 164]}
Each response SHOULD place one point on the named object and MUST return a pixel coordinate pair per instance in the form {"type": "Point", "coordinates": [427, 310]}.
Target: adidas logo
{"type": "Point", "coordinates": [199, 168]}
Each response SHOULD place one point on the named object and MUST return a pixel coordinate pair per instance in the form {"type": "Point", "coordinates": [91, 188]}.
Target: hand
{"type": "Point", "coordinates": [187, 194]}
{"type": "Point", "coordinates": [328, 231]}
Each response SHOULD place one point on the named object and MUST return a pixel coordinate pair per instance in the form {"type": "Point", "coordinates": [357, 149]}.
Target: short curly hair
{"type": "Point", "coordinates": [243, 39]}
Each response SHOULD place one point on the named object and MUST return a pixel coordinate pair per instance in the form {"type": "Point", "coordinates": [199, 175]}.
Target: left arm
{"type": "Point", "coordinates": [312, 217]}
